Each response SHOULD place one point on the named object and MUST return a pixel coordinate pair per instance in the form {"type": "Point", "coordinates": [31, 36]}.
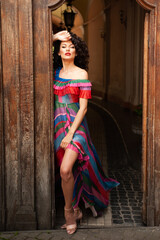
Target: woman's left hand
{"type": "Point", "coordinates": [66, 140]}
{"type": "Point", "coordinates": [62, 36]}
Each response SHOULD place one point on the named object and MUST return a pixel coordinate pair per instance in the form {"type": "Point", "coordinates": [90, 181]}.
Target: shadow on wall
{"type": "Point", "coordinates": [124, 144]}
{"type": "Point", "coordinates": [117, 153]}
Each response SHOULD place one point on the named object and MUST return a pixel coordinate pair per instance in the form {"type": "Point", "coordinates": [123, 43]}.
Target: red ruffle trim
{"type": "Point", "coordinates": [81, 157]}
{"type": "Point", "coordinates": [74, 90]}
{"type": "Point", "coordinates": [85, 94]}
{"type": "Point", "coordinates": [67, 90]}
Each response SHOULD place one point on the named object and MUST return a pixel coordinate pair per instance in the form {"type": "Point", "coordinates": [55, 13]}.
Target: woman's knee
{"type": "Point", "coordinates": [65, 173]}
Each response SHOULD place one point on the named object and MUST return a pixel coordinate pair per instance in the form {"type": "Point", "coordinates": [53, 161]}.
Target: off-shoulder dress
{"type": "Point", "coordinates": [91, 184]}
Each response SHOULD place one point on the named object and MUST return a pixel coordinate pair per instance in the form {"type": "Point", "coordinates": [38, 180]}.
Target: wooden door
{"type": "Point", "coordinates": [26, 115]}
{"type": "Point", "coordinates": [151, 113]}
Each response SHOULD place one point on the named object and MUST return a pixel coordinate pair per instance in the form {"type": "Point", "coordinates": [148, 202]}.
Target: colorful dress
{"type": "Point", "coordinates": [91, 184]}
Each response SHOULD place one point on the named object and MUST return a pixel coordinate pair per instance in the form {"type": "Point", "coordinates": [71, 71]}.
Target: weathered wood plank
{"type": "Point", "coordinates": [44, 112]}
{"type": "Point", "coordinates": [151, 122]}
{"type": "Point", "coordinates": [2, 195]}
{"type": "Point", "coordinates": [144, 136]}
{"type": "Point", "coordinates": [10, 58]}
{"type": "Point", "coordinates": [26, 169]}
{"type": "Point", "coordinates": [157, 123]}
{"type": "Point", "coordinates": [151, 180]}
{"type": "Point", "coordinates": [17, 56]}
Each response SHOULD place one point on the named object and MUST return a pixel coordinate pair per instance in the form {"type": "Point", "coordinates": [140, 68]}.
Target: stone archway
{"type": "Point", "coordinates": [58, 20]}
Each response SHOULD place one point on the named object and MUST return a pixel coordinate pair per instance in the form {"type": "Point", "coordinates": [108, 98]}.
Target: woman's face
{"type": "Point", "coordinates": [67, 50]}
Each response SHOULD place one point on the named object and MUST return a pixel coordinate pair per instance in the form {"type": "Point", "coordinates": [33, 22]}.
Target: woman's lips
{"type": "Point", "coordinates": [68, 54]}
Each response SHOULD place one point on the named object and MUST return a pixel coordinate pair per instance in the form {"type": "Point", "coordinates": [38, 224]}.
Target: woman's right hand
{"type": "Point", "coordinates": [62, 36]}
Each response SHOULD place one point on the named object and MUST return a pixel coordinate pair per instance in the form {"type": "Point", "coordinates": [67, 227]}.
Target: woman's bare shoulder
{"type": "Point", "coordinates": [82, 73]}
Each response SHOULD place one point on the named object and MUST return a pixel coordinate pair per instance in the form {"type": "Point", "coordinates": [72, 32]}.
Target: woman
{"type": "Point", "coordinates": [80, 168]}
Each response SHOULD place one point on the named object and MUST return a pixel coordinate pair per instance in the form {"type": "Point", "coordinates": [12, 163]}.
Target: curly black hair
{"type": "Point", "coordinates": [82, 58]}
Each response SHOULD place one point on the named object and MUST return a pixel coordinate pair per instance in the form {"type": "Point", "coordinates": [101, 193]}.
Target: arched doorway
{"type": "Point", "coordinates": [58, 21]}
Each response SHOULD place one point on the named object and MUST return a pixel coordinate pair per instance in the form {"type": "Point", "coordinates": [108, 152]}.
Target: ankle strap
{"type": "Point", "coordinates": [68, 209]}
{"type": "Point", "coordinates": [76, 209]}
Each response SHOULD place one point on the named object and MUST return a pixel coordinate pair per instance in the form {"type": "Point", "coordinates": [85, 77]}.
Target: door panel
{"type": "Point", "coordinates": [17, 58]}
{"type": "Point", "coordinates": [45, 204]}
{"type": "Point", "coordinates": [26, 120]}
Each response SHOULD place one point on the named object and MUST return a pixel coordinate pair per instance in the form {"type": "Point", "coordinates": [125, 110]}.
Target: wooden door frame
{"type": "Point", "coordinates": [43, 62]}
{"type": "Point", "coordinates": [151, 111]}
{"type": "Point", "coordinates": [52, 7]}
{"type": "Point", "coordinates": [2, 172]}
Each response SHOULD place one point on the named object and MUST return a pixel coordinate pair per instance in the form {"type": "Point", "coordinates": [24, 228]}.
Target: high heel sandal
{"type": "Point", "coordinates": [77, 214]}
{"type": "Point", "coordinates": [71, 224]}
{"type": "Point", "coordinates": [92, 209]}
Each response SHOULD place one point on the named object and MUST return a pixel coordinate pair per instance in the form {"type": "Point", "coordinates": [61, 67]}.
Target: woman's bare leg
{"type": "Point", "coordinates": [67, 178]}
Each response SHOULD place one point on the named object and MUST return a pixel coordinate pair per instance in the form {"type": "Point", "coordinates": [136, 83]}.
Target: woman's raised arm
{"type": "Point", "coordinates": [62, 36]}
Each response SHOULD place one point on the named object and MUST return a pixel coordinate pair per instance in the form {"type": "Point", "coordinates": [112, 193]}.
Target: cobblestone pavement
{"type": "Point", "coordinates": [138, 233]}
{"type": "Point", "coordinates": [126, 200]}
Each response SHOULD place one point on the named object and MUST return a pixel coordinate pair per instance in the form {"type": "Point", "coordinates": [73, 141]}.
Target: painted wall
{"type": "Point", "coordinates": [96, 20]}
{"type": "Point", "coordinates": [126, 53]}
{"type": "Point", "coordinates": [109, 82]}
{"type": "Point", "coordinates": [82, 6]}
{"type": "Point", "coordinates": [116, 87]}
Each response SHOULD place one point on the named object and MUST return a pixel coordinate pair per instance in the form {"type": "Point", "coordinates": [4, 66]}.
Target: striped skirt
{"type": "Point", "coordinates": [91, 183]}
